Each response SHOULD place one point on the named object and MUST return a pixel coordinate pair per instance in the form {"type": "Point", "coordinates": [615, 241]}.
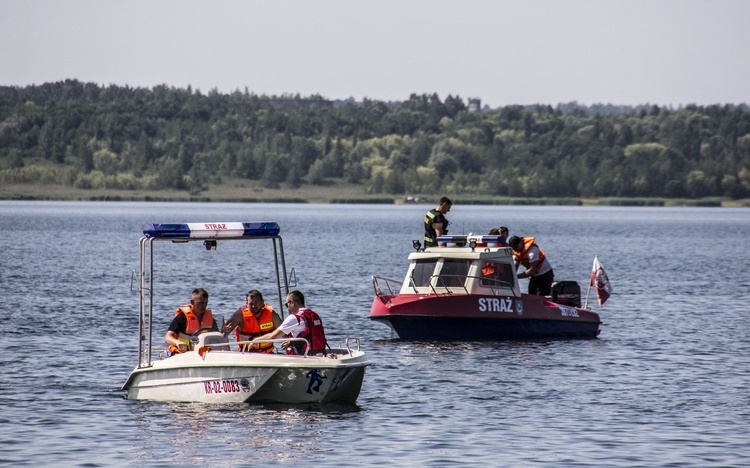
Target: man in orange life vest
{"type": "Point", "coordinates": [301, 322]}
{"type": "Point", "coordinates": [538, 268]}
{"type": "Point", "coordinates": [253, 320]}
{"type": "Point", "coordinates": [188, 321]}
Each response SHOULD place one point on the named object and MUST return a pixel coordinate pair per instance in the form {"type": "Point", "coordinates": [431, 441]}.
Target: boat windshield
{"type": "Point", "coordinates": [422, 272]}
{"type": "Point", "coordinates": [453, 273]}
{"type": "Point", "coordinates": [496, 274]}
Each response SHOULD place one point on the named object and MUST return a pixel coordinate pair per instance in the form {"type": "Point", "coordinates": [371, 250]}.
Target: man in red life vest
{"type": "Point", "coordinates": [254, 319]}
{"type": "Point", "coordinates": [188, 321]}
{"type": "Point", "coordinates": [301, 322]}
{"type": "Point", "coordinates": [538, 268]}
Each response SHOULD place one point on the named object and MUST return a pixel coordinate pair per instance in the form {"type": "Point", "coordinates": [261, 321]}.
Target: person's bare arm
{"type": "Point", "coordinates": [529, 270]}
{"type": "Point", "coordinates": [171, 339]}
{"type": "Point", "coordinates": [276, 320]}
{"type": "Point", "coordinates": [438, 227]}
{"type": "Point", "coordinates": [272, 335]}
{"type": "Point", "coordinates": [234, 321]}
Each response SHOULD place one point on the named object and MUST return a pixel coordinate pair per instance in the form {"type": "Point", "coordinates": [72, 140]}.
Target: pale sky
{"type": "Point", "coordinates": [628, 52]}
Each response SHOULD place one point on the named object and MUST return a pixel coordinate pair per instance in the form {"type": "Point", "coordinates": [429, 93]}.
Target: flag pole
{"type": "Point", "coordinates": [588, 292]}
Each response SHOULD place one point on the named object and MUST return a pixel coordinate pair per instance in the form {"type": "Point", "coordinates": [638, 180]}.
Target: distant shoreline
{"type": "Point", "coordinates": [330, 195]}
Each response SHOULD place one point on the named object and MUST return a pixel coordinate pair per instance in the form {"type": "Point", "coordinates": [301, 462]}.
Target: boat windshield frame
{"type": "Point", "coordinates": [145, 281]}
{"type": "Point", "coordinates": [460, 272]}
{"type": "Point", "coordinates": [437, 281]}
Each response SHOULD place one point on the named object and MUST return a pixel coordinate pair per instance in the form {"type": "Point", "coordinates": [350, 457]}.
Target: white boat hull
{"type": "Point", "coordinates": [234, 377]}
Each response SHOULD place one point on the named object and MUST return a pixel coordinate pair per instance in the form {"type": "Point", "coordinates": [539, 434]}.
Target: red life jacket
{"type": "Point", "coordinates": [252, 327]}
{"type": "Point", "coordinates": [314, 333]}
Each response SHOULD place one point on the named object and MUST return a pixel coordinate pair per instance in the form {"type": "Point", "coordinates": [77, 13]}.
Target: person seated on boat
{"type": "Point", "coordinates": [302, 322]}
{"type": "Point", "coordinates": [189, 321]}
{"type": "Point", "coordinates": [252, 320]}
{"type": "Point", "coordinates": [501, 231]}
{"type": "Point", "coordinates": [435, 222]}
{"type": "Point", "coordinates": [538, 268]}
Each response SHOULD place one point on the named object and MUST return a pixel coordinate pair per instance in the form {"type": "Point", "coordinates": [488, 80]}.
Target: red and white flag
{"type": "Point", "coordinates": [600, 280]}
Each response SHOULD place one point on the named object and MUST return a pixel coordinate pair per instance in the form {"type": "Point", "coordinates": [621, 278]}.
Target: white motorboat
{"type": "Point", "coordinates": [216, 370]}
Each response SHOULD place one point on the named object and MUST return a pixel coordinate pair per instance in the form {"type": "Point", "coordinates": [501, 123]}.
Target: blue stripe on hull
{"type": "Point", "coordinates": [449, 329]}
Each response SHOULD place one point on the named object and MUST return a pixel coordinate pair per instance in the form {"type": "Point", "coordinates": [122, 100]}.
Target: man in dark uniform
{"type": "Point", "coordinates": [435, 222]}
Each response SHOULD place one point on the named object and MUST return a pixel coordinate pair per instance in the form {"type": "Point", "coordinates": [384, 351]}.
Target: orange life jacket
{"type": "Point", "coordinates": [522, 256]}
{"type": "Point", "coordinates": [252, 327]}
{"type": "Point", "coordinates": [193, 325]}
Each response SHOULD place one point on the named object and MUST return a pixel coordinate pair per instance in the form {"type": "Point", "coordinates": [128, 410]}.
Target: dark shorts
{"type": "Point", "coordinates": [542, 285]}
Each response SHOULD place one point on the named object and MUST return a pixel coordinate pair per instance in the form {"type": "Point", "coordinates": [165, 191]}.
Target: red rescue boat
{"type": "Point", "coordinates": [468, 290]}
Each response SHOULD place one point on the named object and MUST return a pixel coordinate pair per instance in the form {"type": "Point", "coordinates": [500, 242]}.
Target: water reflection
{"type": "Point", "coordinates": [191, 433]}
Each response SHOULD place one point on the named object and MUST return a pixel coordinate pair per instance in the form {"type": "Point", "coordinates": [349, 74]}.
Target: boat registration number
{"type": "Point", "coordinates": [568, 312]}
{"type": "Point", "coordinates": [221, 386]}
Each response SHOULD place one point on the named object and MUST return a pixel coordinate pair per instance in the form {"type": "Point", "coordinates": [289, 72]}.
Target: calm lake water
{"type": "Point", "coordinates": [665, 384]}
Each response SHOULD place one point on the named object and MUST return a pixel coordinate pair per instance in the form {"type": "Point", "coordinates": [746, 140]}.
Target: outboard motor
{"type": "Point", "coordinates": [566, 293]}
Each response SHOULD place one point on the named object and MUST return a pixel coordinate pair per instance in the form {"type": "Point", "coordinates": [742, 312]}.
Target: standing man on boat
{"type": "Point", "coordinates": [188, 321]}
{"type": "Point", "coordinates": [302, 322]}
{"type": "Point", "coordinates": [435, 222]}
{"type": "Point", "coordinates": [253, 320]}
{"type": "Point", "coordinates": [538, 268]}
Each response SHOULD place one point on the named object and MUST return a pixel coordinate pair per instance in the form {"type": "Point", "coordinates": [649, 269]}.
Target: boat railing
{"type": "Point", "coordinates": [389, 286]}
{"type": "Point", "coordinates": [278, 341]}
{"type": "Point", "coordinates": [347, 344]}
{"type": "Point", "coordinates": [243, 346]}
{"type": "Point", "coordinates": [440, 281]}
{"type": "Point", "coordinates": [493, 283]}
{"type": "Point", "coordinates": [446, 282]}
{"type": "Point", "coordinates": [221, 343]}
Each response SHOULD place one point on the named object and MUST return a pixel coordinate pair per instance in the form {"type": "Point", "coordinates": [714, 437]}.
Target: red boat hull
{"type": "Point", "coordinates": [475, 317]}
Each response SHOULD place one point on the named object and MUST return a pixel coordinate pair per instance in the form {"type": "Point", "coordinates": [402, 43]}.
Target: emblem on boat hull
{"type": "Point", "coordinates": [245, 385]}
{"type": "Point", "coordinates": [519, 307]}
{"type": "Point", "coordinates": [316, 380]}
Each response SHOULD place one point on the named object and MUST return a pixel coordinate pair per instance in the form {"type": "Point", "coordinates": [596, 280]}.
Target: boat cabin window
{"type": "Point", "coordinates": [422, 272]}
{"type": "Point", "coordinates": [496, 274]}
{"type": "Point", "coordinates": [453, 273]}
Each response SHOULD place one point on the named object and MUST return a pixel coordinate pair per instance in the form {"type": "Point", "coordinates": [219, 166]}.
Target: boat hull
{"type": "Point", "coordinates": [475, 317]}
{"type": "Point", "coordinates": [233, 377]}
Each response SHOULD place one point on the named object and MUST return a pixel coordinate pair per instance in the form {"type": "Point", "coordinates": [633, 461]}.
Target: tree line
{"type": "Point", "coordinates": [116, 137]}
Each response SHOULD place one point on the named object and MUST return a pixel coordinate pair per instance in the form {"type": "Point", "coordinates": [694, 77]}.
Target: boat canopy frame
{"type": "Point", "coordinates": [208, 235]}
